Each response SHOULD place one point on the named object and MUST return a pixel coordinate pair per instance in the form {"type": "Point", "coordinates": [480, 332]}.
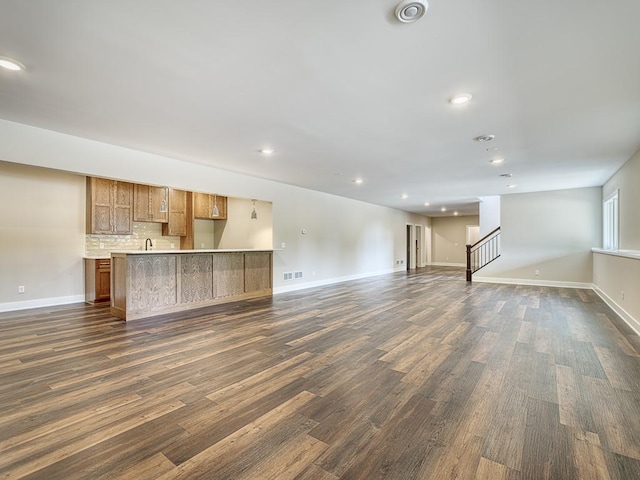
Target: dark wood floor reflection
{"type": "Point", "coordinates": [403, 376]}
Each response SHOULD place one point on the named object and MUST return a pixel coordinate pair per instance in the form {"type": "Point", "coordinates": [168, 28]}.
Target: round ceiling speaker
{"type": "Point", "coordinates": [409, 11]}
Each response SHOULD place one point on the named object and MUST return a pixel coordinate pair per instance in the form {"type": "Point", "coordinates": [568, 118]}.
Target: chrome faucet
{"type": "Point", "coordinates": [148, 244]}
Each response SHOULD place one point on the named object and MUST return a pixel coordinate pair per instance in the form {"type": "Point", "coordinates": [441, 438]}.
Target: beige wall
{"type": "Point", "coordinates": [345, 238]}
{"type": "Point", "coordinates": [42, 225]}
{"type": "Point", "coordinates": [613, 275]}
{"type": "Point", "coordinates": [552, 232]}
{"type": "Point", "coordinates": [617, 280]}
{"type": "Point", "coordinates": [244, 232]}
{"type": "Point", "coordinates": [489, 214]}
{"type": "Point", "coordinates": [627, 180]}
{"type": "Point", "coordinates": [449, 238]}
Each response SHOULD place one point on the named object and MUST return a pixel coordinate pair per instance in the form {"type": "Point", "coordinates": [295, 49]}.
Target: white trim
{"type": "Point", "coordinates": [633, 254]}
{"type": "Point", "coordinates": [447, 264]}
{"type": "Point", "coordinates": [621, 312]}
{"type": "Point", "coordinates": [534, 283]}
{"type": "Point", "coordinates": [41, 302]}
{"type": "Point", "coordinates": [331, 281]}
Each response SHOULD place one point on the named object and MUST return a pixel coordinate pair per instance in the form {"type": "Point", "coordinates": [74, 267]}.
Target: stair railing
{"type": "Point", "coordinates": [483, 252]}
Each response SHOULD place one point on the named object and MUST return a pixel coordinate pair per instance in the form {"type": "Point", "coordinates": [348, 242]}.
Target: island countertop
{"type": "Point", "coordinates": [145, 283]}
{"type": "Point", "coordinates": [203, 250]}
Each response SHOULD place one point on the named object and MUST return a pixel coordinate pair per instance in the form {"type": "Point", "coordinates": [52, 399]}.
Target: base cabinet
{"type": "Point", "coordinates": [97, 280]}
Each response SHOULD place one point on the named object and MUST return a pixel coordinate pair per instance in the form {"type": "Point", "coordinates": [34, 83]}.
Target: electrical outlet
{"type": "Point", "coordinates": [101, 245]}
{"type": "Point", "coordinates": [537, 272]}
{"type": "Point", "coordinates": [283, 245]}
{"type": "Point", "coordinates": [202, 245]}
{"type": "Point", "coordinates": [21, 289]}
{"type": "Point", "coordinates": [173, 245]}
{"type": "Point", "coordinates": [622, 295]}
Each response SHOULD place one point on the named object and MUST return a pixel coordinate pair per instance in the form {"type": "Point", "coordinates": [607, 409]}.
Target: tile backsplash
{"type": "Point", "coordinates": [135, 241]}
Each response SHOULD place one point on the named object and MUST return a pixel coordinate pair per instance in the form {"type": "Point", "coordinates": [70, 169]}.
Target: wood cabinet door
{"type": "Point", "coordinates": [202, 205]}
{"type": "Point", "coordinates": [123, 208]}
{"type": "Point", "coordinates": [99, 208]}
{"type": "Point", "coordinates": [177, 222]}
{"type": "Point", "coordinates": [141, 207]}
{"type": "Point", "coordinates": [222, 206]}
{"type": "Point", "coordinates": [257, 271]}
{"type": "Point", "coordinates": [149, 203]}
{"type": "Point", "coordinates": [109, 206]}
{"type": "Point", "coordinates": [103, 282]}
{"type": "Point", "coordinates": [158, 201]}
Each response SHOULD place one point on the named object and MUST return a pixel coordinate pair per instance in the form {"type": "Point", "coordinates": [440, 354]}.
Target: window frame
{"type": "Point", "coordinates": [611, 221]}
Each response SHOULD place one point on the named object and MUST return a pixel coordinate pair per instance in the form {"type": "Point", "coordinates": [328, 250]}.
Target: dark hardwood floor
{"type": "Point", "coordinates": [403, 376]}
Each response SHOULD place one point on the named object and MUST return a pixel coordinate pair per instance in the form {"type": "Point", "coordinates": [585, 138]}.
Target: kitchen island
{"type": "Point", "coordinates": [148, 283]}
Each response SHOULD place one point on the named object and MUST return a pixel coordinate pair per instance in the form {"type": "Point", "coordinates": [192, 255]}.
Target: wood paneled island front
{"type": "Point", "coordinates": [148, 283]}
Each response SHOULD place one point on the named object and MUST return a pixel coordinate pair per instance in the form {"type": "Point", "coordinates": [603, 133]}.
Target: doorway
{"type": "Point", "coordinates": [409, 246]}
{"type": "Point", "coordinates": [419, 246]}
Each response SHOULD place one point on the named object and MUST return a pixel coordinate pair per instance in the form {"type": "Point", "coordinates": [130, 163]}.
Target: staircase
{"type": "Point", "coordinates": [483, 252]}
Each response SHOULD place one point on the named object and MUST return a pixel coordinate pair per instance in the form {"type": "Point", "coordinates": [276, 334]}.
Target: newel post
{"type": "Point", "coordinates": [468, 263]}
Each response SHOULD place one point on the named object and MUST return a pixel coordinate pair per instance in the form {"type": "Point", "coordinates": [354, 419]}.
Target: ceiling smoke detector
{"type": "Point", "coordinates": [484, 138]}
{"type": "Point", "coordinates": [409, 11]}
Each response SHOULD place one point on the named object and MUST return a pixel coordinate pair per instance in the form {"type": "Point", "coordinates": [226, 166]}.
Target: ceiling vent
{"type": "Point", "coordinates": [409, 11]}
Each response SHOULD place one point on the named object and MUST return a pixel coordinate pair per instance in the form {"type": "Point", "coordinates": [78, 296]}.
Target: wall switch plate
{"type": "Point", "coordinates": [101, 245]}
{"type": "Point", "coordinates": [283, 245]}
{"type": "Point", "coordinates": [537, 272]}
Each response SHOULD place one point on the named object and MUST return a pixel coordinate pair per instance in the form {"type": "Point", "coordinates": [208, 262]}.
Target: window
{"type": "Point", "coordinates": [610, 222]}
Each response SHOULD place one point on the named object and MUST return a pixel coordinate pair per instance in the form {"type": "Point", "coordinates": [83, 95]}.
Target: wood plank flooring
{"type": "Point", "coordinates": [402, 376]}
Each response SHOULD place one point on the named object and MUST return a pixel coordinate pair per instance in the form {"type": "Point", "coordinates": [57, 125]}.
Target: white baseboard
{"type": "Point", "coordinates": [446, 264]}
{"type": "Point", "coordinates": [331, 281]}
{"type": "Point", "coordinates": [534, 283]}
{"type": "Point", "coordinates": [622, 313]}
{"type": "Point", "coordinates": [40, 302]}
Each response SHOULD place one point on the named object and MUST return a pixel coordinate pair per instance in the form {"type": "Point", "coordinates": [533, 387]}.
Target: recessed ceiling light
{"type": "Point", "coordinates": [10, 64]}
{"type": "Point", "coordinates": [496, 161]}
{"type": "Point", "coordinates": [404, 195]}
{"type": "Point", "coordinates": [455, 213]}
{"type": "Point", "coordinates": [358, 181]}
{"type": "Point", "coordinates": [426, 204]}
{"type": "Point", "coordinates": [511, 185]}
{"type": "Point", "coordinates": [484, 138]}
{"type": "Point", "coordinates": [460, 98]}
{"type": "Point", "coordinates": [443, 209]}
{"type": "Point", "coordinates": [409, 11]}
{"type": "Point", "coordinates": [266, 151]}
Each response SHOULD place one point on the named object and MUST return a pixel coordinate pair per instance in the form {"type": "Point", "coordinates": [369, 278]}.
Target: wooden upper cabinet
{"type": "Point", "coordinates": [149, 204]}
{"type": "Point", "coordinates": [109, 206]}
{"type": "Point", "coordinates": [177, 222]}
{"type": "Point", "coordinates": [203, 204]}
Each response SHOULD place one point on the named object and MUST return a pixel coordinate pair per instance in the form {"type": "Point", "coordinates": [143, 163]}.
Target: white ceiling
{"type": "Point", "coordinates": [340, 89]}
